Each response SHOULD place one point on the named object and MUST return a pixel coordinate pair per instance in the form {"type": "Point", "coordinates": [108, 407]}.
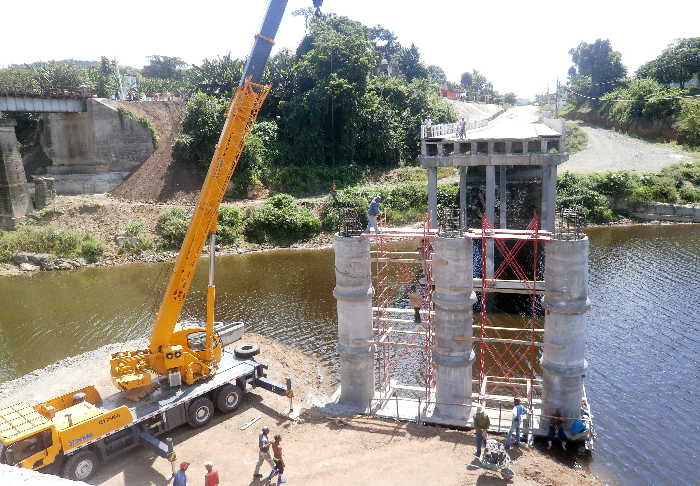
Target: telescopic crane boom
{"type": "Point", "coordinates": [177, 352]}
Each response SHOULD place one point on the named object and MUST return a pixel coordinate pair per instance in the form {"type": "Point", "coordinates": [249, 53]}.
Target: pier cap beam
{"type": "Point", "coordinates": [353, 292]}
{"type": "Point", "coordinates": [566, 301]}
{"type": "Point", "coordinates": [453, 299]}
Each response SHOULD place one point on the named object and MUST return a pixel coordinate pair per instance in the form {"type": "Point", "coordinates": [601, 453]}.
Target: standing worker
{"type": "Point", "coordinates": [263, 451]}
{"type": "Point", "coordinates": [415, 297]}
{"type": "Point", "coordinates": [481, 427]}
{"type": "Point", "coordinates": [180, 479]}
{"type": "Point", "coordinates": [277, 458]}
{"type": "Point", "coordinates": [211, 478]}
{"type": "Point", "coordinates": [373, 213]}
{"type": "Point", "coordinates": [518, 412]}
{"type": "Point", "coordinates": [428, 126]}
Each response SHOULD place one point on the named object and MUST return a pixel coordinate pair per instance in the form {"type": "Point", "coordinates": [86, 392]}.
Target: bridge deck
{"type": "Point", "coordinates": [40, 104]}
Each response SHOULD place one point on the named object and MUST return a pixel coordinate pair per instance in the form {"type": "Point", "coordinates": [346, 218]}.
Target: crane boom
{"type": "Point", "coordinates": [170, 351]}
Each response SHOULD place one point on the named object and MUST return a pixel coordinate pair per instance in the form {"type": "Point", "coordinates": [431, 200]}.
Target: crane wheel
{"type": "Point", "coordinates": [246, 350]}
{"type": "Point", "coordinates": [81, 466]}
{"type": "Point", "coordinates": [199, 412]}
{"type": "Point", "coordinates": [228, 398]}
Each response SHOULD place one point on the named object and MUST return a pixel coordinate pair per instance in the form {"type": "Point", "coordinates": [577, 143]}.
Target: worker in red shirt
{"type": "Point", "coordinates": [211, 478]}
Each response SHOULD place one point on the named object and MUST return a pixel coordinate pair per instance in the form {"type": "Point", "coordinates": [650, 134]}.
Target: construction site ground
{"type": "Point", "coordinates": [319, 449]}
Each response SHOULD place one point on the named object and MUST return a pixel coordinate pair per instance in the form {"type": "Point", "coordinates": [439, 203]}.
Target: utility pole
{"type": "Point", "coordinates": [556, 101]}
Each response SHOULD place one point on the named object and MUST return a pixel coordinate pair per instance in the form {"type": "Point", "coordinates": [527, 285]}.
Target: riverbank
{"type": "Point", "coordinates": [106, 220]}
{"type": "Point", "coordinates": [319, 449]}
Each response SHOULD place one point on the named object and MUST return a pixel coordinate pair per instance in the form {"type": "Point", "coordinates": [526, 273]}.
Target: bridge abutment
{"type": "Point", "coordinates": [14, 199]}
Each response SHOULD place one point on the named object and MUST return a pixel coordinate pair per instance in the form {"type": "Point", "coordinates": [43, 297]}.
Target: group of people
{"type": "Point", "coordinates": [274, 459]}
{"type": "Point", "coordinates": [519, 411]}
{"type": "Point", "coordinates": [211, 477]}
{"type": "Point", "coordinates": [461, 127]}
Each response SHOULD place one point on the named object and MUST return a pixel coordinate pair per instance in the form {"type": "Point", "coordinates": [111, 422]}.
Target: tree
{"type": "Point", "coordinates": [466, 80]}
{"type": "Point", "coordinates": [601, 63]}
{"type": "Point", "coordinates": [164, 67]}
{"type": "Point", "coordinates": [105, 79]}
{"type": "Point", "coordinates": [510, 98]}
{"type": "Point", "coordinates": [436, 75]}
{"type": "Point", "coordinates": [217, 77]}
{"type": "Point", "coordinates": [678, 63]}
{"type": "Point", "coordinates": [410, 65]}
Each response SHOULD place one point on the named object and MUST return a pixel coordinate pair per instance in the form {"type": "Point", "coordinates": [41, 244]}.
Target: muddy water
{"type": "Point", "coordinates": [643, 344]}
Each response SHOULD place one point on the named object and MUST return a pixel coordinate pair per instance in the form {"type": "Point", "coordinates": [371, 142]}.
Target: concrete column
{"type": "Point", "coordinates": [353, 292]}
{"type": "Point", "coordinates": [453, 299]}
{"type": "Point", "coordinates": [525, 150]}
{"type": "Point", "coordinates": [474, 145]}
{"type": "Point", "coordinates": [509, 146]}
{"type": "Point", "coordinates": [463, 196]}
{"type": "Point", "coordinates": [490, 209]}
{"type": "Point", "coordinates": [432, 195]}
{"type": "Point", "coordinates": [14, 199]}
{"type": "Point", "coordinates": [565, 303]}
{"type": "Point", "coordinates": [549, 196]}
{"type": "Point", "coordinates": [491, 144]}
{"type": "Point", "coordinates": [503, 195]}
{"type": "Point", "coordinates": [543, 146]}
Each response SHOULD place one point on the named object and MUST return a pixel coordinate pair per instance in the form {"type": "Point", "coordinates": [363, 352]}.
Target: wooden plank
{"type": "Point", "coordinates": [393, 260]}
{"type": "Point", "coordinates": [514, 329]}
{"type": "Point", "coordinates": [250, 422]}
{"type": "Point", "coordinates": [396, 310]}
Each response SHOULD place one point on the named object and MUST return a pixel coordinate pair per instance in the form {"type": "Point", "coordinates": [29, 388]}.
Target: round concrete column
{"type": "Point", "coordinates": [566, 301]}
{"type": "Point", "coordinates": [353, 292]}
{"type": "Point", "coordinates": [453, 299]}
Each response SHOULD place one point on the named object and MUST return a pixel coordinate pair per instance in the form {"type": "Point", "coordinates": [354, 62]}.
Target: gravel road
{"type": "Point", "coordinates": [609, 150]}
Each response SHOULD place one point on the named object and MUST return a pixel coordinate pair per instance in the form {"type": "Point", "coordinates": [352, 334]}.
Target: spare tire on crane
{"type": "Point", "coordinates": [246, 350]}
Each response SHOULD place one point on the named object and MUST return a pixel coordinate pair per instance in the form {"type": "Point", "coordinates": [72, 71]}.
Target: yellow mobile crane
{"type": "Point", "coordinates": [69, 434]}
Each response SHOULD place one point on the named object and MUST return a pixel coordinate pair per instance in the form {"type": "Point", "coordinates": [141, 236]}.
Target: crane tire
{"type": "Point", "coordinates": [246, 350]}
{"type": "Point", "coordinates": [228, 398]}
{"type": "Point", "coordinates": [81, 466]}
{"type": "Point", "coordinates": [199, 412]}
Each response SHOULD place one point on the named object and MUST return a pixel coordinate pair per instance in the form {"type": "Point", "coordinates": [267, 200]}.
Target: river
{"type": "Point", "coordinates": [643, 330]}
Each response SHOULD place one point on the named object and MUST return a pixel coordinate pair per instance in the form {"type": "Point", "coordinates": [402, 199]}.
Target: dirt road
{"type": "Point", "coordinates": [608, 150]}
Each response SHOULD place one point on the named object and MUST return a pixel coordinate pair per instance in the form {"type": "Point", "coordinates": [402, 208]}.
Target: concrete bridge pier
{"type": "Point", "coordinates": [14, 199]}
{"type": "Point", "coordinates": [453, 299]}
{"type": "Point", "coordinates": [565, 302]}
{"type": "Point", "coordinates": [353, 292]}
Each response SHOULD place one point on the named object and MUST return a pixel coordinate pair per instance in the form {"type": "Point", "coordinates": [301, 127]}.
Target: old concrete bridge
{"type": "Point", "coordinates": [92, 147]}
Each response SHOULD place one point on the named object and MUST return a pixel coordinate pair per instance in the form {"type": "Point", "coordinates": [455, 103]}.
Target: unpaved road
{"type": "Point", "coordinates": [608, 150]}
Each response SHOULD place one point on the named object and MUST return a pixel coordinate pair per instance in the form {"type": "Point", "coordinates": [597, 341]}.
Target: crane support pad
{"type": "Point", "coordinates": [271, 386]}
{"type": "Point", "coordinates": [156, 445]}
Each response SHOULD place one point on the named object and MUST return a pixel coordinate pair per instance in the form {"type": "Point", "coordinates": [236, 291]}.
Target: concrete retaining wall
{"type": "Point", "coordinates": [93, 152]}
{"type": "Point", "coordinates": [655, 211]}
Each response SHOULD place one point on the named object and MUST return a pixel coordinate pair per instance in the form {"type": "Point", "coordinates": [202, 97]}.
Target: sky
{"type": "Point", "coordinates": [521, 46]}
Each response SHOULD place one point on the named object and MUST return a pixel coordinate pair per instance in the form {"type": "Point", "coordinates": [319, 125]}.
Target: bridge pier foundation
{"type": "Point", "coordinates": [14, 199]}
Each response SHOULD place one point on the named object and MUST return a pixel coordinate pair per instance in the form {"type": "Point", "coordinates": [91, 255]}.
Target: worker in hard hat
{"type": "Point", "coordinates": [263, 451]}
{"type": "Point", "coordinates": [373, 213]}
{"type": "Point", "coordinates": [180, 478]}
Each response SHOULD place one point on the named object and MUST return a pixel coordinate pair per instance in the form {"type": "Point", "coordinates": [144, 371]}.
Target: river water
{"type": "Point", "coordinates": [643, 331]}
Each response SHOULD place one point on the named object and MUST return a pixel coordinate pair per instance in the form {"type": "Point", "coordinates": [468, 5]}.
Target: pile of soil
{"type": "Point", "coordinates": [161, 178]}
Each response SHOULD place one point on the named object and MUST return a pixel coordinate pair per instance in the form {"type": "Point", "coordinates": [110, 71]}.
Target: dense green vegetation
{"type": "Point", "coordinates": [331, 116]}
{"type": "Point", "coordinates": [46, 239]}
{"type": "Point", "coordinates": [593, 195]}
{"type": "Point", "coordinates": [137, 239]}
{"type": "Point", "coordinates": [142, 120]}
{"type": "Point", "coordinates": [600, 90]}
{"type": "Point", "coordinates": [281, 220]}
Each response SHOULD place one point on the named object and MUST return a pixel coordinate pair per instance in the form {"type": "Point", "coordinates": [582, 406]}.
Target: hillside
{"type": "Point", "coordinates": [160, 178]}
